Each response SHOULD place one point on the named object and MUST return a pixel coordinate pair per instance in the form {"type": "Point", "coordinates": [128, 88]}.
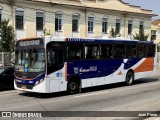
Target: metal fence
{"type": "Point", "coordinates": [5, 59]}
{"type": "Point", "coordinates": [158, 59]}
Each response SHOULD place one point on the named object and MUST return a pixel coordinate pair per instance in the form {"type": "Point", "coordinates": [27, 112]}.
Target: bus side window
{"type": "Point", "coordinates": [55, 57]}
{"type": "Point", "coordinates": [51, 57]}
{"type": "Point", "coordinates": [75, 51]}
{"type": "Point", "coordinates": [141, 51]}
{"type": "Point", "coordinates": [150, 50]}
{"type": "Point", "coordinates": [131, 51]}
{"type": "Point", "coordinates": [119, 51]}
{"type": "Point", "coordinates": [107, 51]}
{"type": "Point", "coordinates": [88, 52]}
{"type": "Point", "coordinates": [92, 51]}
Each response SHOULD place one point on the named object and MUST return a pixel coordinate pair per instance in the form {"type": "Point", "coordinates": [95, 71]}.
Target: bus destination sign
{"type": "Point", "coordinates": [29, 43]}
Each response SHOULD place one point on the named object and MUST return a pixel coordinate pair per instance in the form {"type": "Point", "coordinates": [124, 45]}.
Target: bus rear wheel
{"type": "Point", "coordinates": [73, 87]}
{"type": "Point", "coordinates": [129, 78]}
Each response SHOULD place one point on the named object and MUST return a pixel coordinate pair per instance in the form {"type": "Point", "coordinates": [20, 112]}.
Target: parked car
{"type": "Point", "coordinates": [6, 76]}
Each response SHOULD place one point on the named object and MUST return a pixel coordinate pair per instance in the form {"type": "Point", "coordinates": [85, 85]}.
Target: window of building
{"type": "Point", "coordinates": [104, 25]}
{"type": "Point", "coordinates": [39, 21]}
{"type": "Point", "coordinates": [75, 23]}
{"type": "Point", "coordinates": [141, 26]}
{"type": "Point", "coordinates": [90, 24]}
{"type": "Point", "coordinates": [141, 51]}
{"type": "Point", "coordinates": [75, 51]}
{"type": "Point", "coordinates": [58, 22]}
{"type": "Point", "coordinates": [118, 25]}
{"type": "Point", "coordinates": [153, 34]}
{"type": "Point", "coordinates": [131, 51]}
{"type": "Point", "coordinates": [92, 51]}
{"type": "Point", "coordinates": [130, 22]}
{"type": "Point", "coordinates": [19, 19]}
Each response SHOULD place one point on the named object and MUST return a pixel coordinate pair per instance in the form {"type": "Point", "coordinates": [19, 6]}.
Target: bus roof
{"type": "Point", "coordinates": [108, 40]}
{"type": "Point", "coordinates": [97, 40]}
{"type": "Point", "coordinates": [91, 40]}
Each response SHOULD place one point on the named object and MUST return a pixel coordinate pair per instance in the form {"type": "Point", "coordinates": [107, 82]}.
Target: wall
{"type": "Point", "coordinates": [30, 9]}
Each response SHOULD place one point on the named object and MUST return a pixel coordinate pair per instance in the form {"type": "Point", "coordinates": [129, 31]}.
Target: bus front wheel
{"type": "Point", "coordinates": [129, 78]}
{"type": "Point", "coordinates": [73, 87]}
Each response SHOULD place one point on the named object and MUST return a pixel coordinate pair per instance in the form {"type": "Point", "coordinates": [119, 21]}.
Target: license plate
{"type": "Point", "coordinates": [24, 87]}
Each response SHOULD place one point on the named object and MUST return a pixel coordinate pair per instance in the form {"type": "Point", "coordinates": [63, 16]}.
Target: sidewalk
{"type": "Point", "coordinates": [153, 118]}
{"type": "Point", "coordinates": [158, 71]}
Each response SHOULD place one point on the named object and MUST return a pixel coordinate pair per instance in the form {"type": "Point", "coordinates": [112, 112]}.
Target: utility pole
{"type": "Point", "coordinates": [12, 3]}
{"type": "Point", "coordinates": [124, 22]}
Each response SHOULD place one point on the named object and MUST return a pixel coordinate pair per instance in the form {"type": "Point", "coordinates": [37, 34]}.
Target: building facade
{"type": "Point", "coordinates": [75, 18]}
{"type": "Point", "coordinates": [155, 30]}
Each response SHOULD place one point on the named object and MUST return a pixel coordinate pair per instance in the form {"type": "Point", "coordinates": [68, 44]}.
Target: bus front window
{"type": "Point", "coordinates": [30, 60]}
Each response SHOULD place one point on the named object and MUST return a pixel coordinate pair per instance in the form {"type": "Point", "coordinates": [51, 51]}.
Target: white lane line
{"type": "Point", "coordinates": [90, 94]}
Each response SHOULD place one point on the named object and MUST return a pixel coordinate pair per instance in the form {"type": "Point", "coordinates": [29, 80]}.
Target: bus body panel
{"type": "Point", "coordinates": [54, 82]}
{"type": "Point", "coordinates": [57, 81]}
{"type": "Point", "coordinates": [40, 88]}
{"type": "Point", "coordinates": [93, 72]}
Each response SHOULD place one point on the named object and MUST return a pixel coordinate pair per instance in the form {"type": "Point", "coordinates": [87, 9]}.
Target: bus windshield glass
{"type": "Point", "coordinates": [30, 60]}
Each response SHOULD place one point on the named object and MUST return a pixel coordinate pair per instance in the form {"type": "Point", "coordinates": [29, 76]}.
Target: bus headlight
{"type": "Point", "coordinates": [39, 81]}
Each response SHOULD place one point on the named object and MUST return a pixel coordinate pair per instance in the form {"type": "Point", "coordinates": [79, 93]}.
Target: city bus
{"type": "Point", "coordinates": [52, 64]}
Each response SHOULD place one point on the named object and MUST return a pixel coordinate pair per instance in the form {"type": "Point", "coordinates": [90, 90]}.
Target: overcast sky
{"type": "Point", "coordinates": [147, 4]}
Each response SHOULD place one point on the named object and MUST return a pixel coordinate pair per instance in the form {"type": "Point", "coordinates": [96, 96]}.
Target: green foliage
{"type": "Point", "coordinates": [112, 33]}
{"type": "Point", "coordinates": [7, 36]}
{"type": "Point", "coordinates": [46, 32]}
{"type": "Point", "coordinates": [141, 36]}
{"type": "Point", "coordinates": [153, 37]}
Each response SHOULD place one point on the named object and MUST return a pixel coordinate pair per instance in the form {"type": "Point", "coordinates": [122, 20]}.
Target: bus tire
{"type": "Point", "coordinates": [73, 87]}
{"type": "Point", "coordinates": [129, 78]}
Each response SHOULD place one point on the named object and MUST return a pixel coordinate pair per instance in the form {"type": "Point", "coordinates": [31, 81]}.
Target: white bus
{"type": "Point", "coordinates": [52, 64]}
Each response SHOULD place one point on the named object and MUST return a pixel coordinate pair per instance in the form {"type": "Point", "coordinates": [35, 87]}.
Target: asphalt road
{"type": "Point", "coordinates": [129, 101]}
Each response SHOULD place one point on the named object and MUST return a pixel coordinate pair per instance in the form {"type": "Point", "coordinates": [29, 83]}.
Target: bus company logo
{"type": "Point", "coordinates": [91, 69]}
{"type": "Point", "coordinates": [76, 70]}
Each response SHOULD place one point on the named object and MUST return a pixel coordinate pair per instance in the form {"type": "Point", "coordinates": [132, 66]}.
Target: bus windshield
{"type": "Point", "coordinates": [30, 60]}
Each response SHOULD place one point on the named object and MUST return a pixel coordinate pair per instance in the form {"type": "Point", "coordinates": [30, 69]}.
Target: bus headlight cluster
{"type": "Point", "coordinates": [39, 81]}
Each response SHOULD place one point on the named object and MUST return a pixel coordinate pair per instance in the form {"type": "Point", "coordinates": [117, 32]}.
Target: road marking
{"type": "Point", "coordinates": [115, 89]}
{"type": "Point", "coordinates": [90, 94]}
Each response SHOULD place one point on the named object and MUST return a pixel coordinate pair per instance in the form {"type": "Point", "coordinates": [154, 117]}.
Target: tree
{"type": "Point", "coordinates": [7, 36]}
{"type": "Point", "coordinates": [141, 36]}
{"type": "Point", "coordinates": [112, 33]}
{"type": "Point", "coordinates": [153, 37]}
{"type": "Point", "coordinates": [45, 32]}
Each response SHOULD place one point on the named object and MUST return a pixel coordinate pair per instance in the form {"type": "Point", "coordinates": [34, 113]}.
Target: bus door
{"type": "Point", "coordinates": [55, 65]}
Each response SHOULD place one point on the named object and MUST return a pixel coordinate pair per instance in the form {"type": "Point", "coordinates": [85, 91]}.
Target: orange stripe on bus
{"type": "Point", "coordinates": [66, 72]}
{"type": "Point", "coordinates": [147, 65]}
{"type": "Point", "coordinates": [120, 73]}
